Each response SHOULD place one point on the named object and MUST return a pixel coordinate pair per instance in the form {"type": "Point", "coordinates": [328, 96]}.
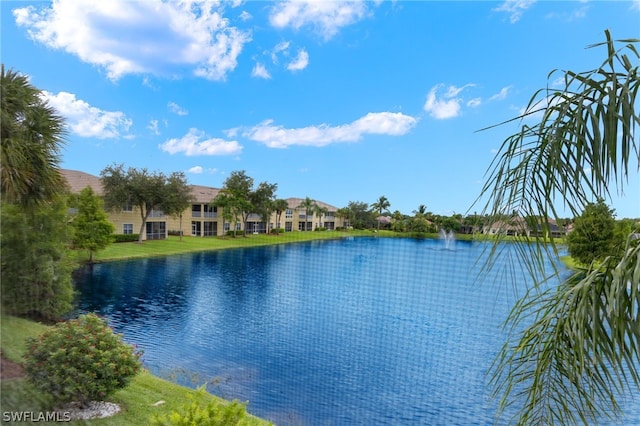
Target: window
{"type": "Point", "coordinates": [288, 214]}
{"type": "Point", "coordinates": [210, 211]}
{"type": "Point", "coordinates": [210, 228]}
{"type": "Point", "coordinates": [127, 207]}
{"type": "Point", "coordinates": [127, 228]}
{"type": "Point", "coordinates": [156, 230]}
{"type": "Point", "coordinates": [195, 210]}
{"type": "Point", "coordinates": [156, 213]}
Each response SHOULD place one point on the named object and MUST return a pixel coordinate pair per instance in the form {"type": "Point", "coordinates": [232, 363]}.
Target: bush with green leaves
{"type": "Point", "coordinates": [125, 238]}
{"type": "Point", "coordinates": [80, 360]}
{"type": "Point", "coordinates": [212, 414]}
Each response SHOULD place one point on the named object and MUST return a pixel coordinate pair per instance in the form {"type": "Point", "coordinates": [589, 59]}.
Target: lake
{"type": "Point", "coordinates": [341, 332]}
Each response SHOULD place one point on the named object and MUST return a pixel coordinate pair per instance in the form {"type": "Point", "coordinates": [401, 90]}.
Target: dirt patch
{"type": "Point", "coordinates": [10, 369]}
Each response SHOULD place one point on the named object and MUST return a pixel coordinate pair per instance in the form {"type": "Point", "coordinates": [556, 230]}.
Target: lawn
{"type": "Point", "coordinates": [177, 245]}
{"type": "Point", "coordinates": [137, 400]}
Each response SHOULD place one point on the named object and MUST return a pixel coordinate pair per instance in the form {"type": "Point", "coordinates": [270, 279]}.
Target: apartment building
{"type": "Point", "coordinates": [201, 219]}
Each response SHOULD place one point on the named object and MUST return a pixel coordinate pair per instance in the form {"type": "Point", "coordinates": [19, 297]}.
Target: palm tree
{"type": "Point", "coordinates": [422, 210]}
{"type": "Point", "coordinates": [578, 344]}
{"type": "Point", "coordinates": [382, 204]}
{"type": "Point", "coordinates": [320, 211]}
{"type": "Point", "coordinates": [279, 206]}
{"type": "Point", "coordinates": [32, 137]}
{"type": "Point", "coordinates": [344, 213]}
{"type": "Point", "coordinates": [308, 205]}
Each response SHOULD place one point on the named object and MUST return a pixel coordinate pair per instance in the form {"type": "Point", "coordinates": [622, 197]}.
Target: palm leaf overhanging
{"type": "Point", "coordinates": [573, 350]}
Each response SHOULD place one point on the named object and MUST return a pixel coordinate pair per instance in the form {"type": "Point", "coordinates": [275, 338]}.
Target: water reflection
{"type": "Point", "coordinates": [361, 331]}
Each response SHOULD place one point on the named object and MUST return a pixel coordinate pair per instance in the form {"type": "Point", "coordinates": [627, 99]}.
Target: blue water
{"type": "Point", "coordinates": [360, 331]}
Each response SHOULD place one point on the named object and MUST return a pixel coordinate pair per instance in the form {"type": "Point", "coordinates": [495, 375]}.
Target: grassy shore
{"type": "Point", "coordinates": [177, 245]}
{"type": "Point", "coordinates": [138, 400]}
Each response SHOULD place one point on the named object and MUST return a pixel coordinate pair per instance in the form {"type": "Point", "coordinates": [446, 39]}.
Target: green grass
{"type": "Point", "coordinates": [136, 400]}
{"type": "Point", "coordinates": [175, 245]}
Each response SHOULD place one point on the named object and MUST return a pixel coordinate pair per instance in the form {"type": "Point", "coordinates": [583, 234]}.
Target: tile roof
{"type": "Point", "coordinates": [78, 181]}
{"type": "Point", "coordinates": [296, 202]}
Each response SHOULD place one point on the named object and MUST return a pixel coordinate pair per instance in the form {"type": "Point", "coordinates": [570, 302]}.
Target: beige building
{"type": "Point", "coordinates": [201, 219]}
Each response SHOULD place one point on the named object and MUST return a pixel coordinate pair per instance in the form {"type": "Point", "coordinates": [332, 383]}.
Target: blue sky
{"type": "Point", "coordinates": [338, 101]}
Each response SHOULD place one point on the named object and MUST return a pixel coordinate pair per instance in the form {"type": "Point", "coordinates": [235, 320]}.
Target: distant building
{"type": "Point", "coordinates": [518, 227]}
{"type": "Point", "coordinates": [201, 219]}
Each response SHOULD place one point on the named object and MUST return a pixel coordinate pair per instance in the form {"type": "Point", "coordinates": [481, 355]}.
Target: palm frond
{"type": "Point", "coordinates": [573, 349]}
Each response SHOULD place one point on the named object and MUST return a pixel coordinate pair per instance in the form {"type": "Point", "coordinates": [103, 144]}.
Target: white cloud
{"type": "Point", "coordinates": [283, 46]}
{"type": "Point", "coordinates": [380, 123]}
{"type": "Point", "coordinates": [140, 37]}
{"type": "Point", "coordinates": [177, 109]}
{"type": "Point", "coordinates": [474, 103]}
{"type": "Point", "coordinates": [573, 15]}
{"type": "Point", "coordinates": [326, 17]}
{"type": "Point", "coordinates": [300, 62]}
{"type": "Point", "coordinates": [446, 106]}
{"type": "Point", "coordinates": [153, 127]}
{"type": "Point", "coordinates": [193, 143]}
{"type": "Point", "coordinates": [260, 71]}
{"type": "Point", "coordinates": [86, 120]}
{"type": "Point", "coordinates": [515, 8]}
{"type": "Point", "coordinates": [501, 95]}
{"type": "Point", "coordinates": [245, 16]}
{"type": "Point", "coordinates": [197, 170]}
{"type": "Point", "coordinates": [635, 5]}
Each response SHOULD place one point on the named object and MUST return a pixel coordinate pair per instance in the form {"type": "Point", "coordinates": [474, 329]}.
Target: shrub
{"type": "Point", "coordinates": [35, 266]}
{"type": "Point", "coordinates": [175, 233]}
{"type": "Point", "coordinates": [213, 414]}
{"type": "Point", "coordinates": [277, 231]}
{"type": "Point", "coordinates": [80, 360]}
{"type": "Point", "coordinates": [320, 229]}
{"type": "Point", "coordinates": [125, 238]}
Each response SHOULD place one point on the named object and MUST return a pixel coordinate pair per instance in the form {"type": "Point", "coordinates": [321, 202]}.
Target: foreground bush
{"type": "Point", "coordinates": [213, 414]}
{"type": "Point", "coordinates": [80, 360]}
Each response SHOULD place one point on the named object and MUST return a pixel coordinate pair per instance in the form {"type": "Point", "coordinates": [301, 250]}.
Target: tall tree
{"type": "Point", "coordinates": [421, 211]}
{"type": "Point", "coordinates": [92, 229]}
{"type": "Point", "coordinates": [237, 188]}
{"type": "Point", "coordinates": [574, 348]}
{"type": "Point", "coordinates": [361, 216]}
{"type": "Point", "coordinates": [593, 236]}
{"type": "Point", "coordinates": [262, 199]}
{"type": "Point", "coordinates": [143, 189]}
{"type": "Point", "coordinates": [307, 205]}
{"type": "Point", "coordinates": [240, 199]}
{"type": "Point", "coordinates": [345, 213]}
{"type": "Point", "coordinates": [381, 205]}
{"type": "Point", "coordinates": [36, 273]}
{"type": "Point", "coordinates": [232, 208]}
{"type": "Point", "coordinates": [320, 211]}
{"type": "Point", "coordinates": [279, 206]}
{"type": "Point", "coordinates": [178, 196]}
{"type": "Point", "coordinates": [32, 138]}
